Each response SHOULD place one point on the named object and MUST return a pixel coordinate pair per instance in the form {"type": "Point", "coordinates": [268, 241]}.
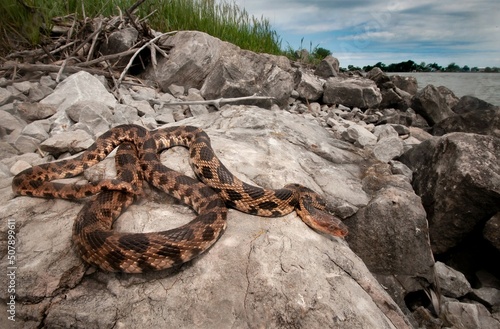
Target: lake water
{"type": "Point", "coordinates": [485, 86]}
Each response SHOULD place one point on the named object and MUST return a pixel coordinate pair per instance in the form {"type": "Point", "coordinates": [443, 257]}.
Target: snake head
{"type": "Point", "coordinates": [314, 211]}
{"type": "Point", "coordinates": [322, 220]}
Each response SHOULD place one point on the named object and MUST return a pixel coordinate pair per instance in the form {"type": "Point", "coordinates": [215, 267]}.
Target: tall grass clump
{"type": "Point", "coordinates": [224, 20]}
{"type": "Point", "coordinates": [27, 22]}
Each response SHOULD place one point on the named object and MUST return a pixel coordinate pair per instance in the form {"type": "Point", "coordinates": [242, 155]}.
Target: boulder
{"type": "Point", "coordinates": [119, 41]}
{"type": "Point", "coordinates": [263, 272]}
{"type": "Point", "coordinates": [429, 103]}
{"type": "Point", "coordinates": [5, 96]}
{"type": "Point", "coordinates": [408, 84]}
{"type": "Point", "coordinates": [69, 141]}
{"type": "Point", "coordinates": [95, 116]}
{"type": "Point", "coordinates": [34, 111]}
{"type": "Point", "coordinates": [484, 122]}
{"type": "Point", "coordinates": [471, 103]}
{"type": "Point", "coordinates": [220, 69]}
{"type": "Point", "coordinates": [9, 123]}
{"type": "Point", "coordinates": [352, 92]}
{"type": "Point", "coordinates": [451, 282]}
{"type": "Point", "coordinates": [78, 87]}
{"type": "Point", "coordinates": [464, 316]}
{"type": "Point", "coordinates": [390, 234]}
{"type": "Point", "coordinates": [491, 231]}
{"type": "Point", "coordinates": [449, 96]}
{"type": "Point", "coordinates": [328, 67]}
{"type": "Point", "coordinates": [244, 73]}
{"type": "Point", "coordinates": [388, 148]}
{"type": "Point", "coordinates": [458, 178]}
{"type": "Point", "coordinates": [309, 86]}
{"type": "Point", "coordinates": [359, 136]}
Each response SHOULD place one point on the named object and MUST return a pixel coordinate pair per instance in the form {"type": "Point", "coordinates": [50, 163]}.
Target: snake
{"type": "Point", "coordinates": [137, 160]}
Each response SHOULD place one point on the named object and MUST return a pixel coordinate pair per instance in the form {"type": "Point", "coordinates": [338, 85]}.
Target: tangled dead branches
{"type": "Point", "coordinates": [108, 46]}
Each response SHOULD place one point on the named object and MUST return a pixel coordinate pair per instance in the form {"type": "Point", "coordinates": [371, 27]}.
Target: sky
{"type": "Point", "coordinates": [363, 33]}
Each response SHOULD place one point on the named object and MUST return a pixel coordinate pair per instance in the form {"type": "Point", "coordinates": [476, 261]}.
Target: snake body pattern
{"type": "Point", "coordinates": [137, 160]}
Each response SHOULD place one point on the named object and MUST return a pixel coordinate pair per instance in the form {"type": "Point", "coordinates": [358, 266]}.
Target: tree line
{"type": "Point", "coordinates": [411, 66]}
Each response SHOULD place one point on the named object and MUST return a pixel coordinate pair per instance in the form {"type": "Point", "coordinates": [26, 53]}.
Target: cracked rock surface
{"type": "Point", "coordinates": [272, 272]}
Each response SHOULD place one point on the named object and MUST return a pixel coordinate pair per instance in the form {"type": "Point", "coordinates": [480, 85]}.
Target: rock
{"type": "Point", "coordinates": [465, 316]}
{"type": "Point", "coordinates": [5, 96]}
{"type": "Point", "coordinates": [80, 86]}
{"type": "Point", "coordinates": [328, 67]}
{"type": "Point", "coordinates": [9, 123]}
{"type": "Point", "coordinates": [38, 130]}
{"type": "Point", "coordinates": [23, 86]}
{"type": "Point", "coordinates": [393, 116]}
{"type": "Point", "coordinates": [143, 108]}
{"type": "Point", "coordinates": [488, 296]}
{"type": "Point", "coordinates": [309, 86]}
{"type": "Point", "coordinates": [124, 114]}
{"type": "Point", "coordinates": [34, 111]}
{"type": "Point", "coordinates": [191, 59]}
{"type": "Point", "coordinates": [359, 136]}
{"type": "Point", "coordinates": [70, 141]}
{"type": "Point", "coordinates": [452, 282]}
{"type": "Point", "coordinates": [449, 96]}
{"type": "Point", "coordinates": [390, 234]}
{"type": "Point", "coordinates": [400, 129]}
{"type": "Point", "coordinates": [220, 69]}
{"type": "Point", "coordinates": [26, 144]}
{"type": "Point", "coordinates": [15, 95]}
{"type": "Point", "coordinates": [352, 92]}
{"type": "Point", "coordinates": [263, 272]}
{"type": "Point", "coordinates": [380, 78]}
{"type": "Point", "coordinates": [419, 134]}
{"type": "Point", "coordinates": [384, 131]}
{"type": "Point", "coordinates": [39, 92]}
{"type": "Point", "coordinates": [391, 97]}
{"type": "Point", "coordinates": [388, 148]}
{"type": "Point", "coordinates": [118, 42]}
{"type": "Point", "coordinates": [429, 103]}
{"type": "Point", "coordinates": [408, 84]}
{"type": "Point", "coordinates": [166, 113]}
{"type": "Point", "coordinates": [194, 95]}
{"type": "Point", "coordinates": [491, 231]}
{"type": "Point", "coordinates": [484, 122]}
{"type": "Point", "coordinates": [398, 168]}
{"type": "Point", "coordinates": [245, 73]}
{"type": "Point", "coordinates": [48, 82]}
{"type": "Point", "coordinates": [7, 150]}
{"type": "Point", "coordinates": [95, 116]}
{"type": "Point", "coordinates": [471, 103]}
{"type": "Point", "coordinates": [457, 177]}
{"type": "Point", "coordinates": [176, 90]}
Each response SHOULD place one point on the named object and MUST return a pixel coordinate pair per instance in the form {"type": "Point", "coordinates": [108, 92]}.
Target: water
{"type": "Point", "coordinates": [485, 86]}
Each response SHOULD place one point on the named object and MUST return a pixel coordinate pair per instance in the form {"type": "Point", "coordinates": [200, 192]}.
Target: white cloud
{"type": "Point", "coordinates": [420, 28]}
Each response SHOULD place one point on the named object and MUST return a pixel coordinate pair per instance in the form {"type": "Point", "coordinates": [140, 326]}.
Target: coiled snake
{"type": "Point", "coordinates": [137, 159]}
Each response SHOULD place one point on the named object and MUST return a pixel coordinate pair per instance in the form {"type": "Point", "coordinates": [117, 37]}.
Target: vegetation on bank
{"type": "Point", "coordinates": [26, 23]}
{"type": "Point", "coordinates": [411, 66]}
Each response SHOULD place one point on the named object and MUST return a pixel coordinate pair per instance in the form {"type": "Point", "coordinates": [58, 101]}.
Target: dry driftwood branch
{"type": "Point", "coordinates": [215, 102]}
{"type": "Point", "coordinates": [94, 41]}
{"type": "Point", "coordinates": [107, 58]}
{"type": "Point", "coordinates": [138, 51]}
{"type": "Point", "coordinates": [52, 68]}
{"type": "Point", "coordinates": [90, 37]}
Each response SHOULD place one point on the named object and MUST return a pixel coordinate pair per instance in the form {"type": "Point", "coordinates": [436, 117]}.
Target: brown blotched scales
{"type": "Point", "coordinates": [137, 159]}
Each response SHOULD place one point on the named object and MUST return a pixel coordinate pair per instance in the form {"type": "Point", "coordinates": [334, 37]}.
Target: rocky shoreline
{"type": "Point", "coordinates": [414, 175]}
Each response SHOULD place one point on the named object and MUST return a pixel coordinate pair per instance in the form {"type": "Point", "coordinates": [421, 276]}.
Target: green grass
{"type": "Point", "coordinates": [24, 21]}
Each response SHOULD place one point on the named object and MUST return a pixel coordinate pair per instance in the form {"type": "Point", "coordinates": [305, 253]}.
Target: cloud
{"type": "Point", "coordinates": [416, 29]}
